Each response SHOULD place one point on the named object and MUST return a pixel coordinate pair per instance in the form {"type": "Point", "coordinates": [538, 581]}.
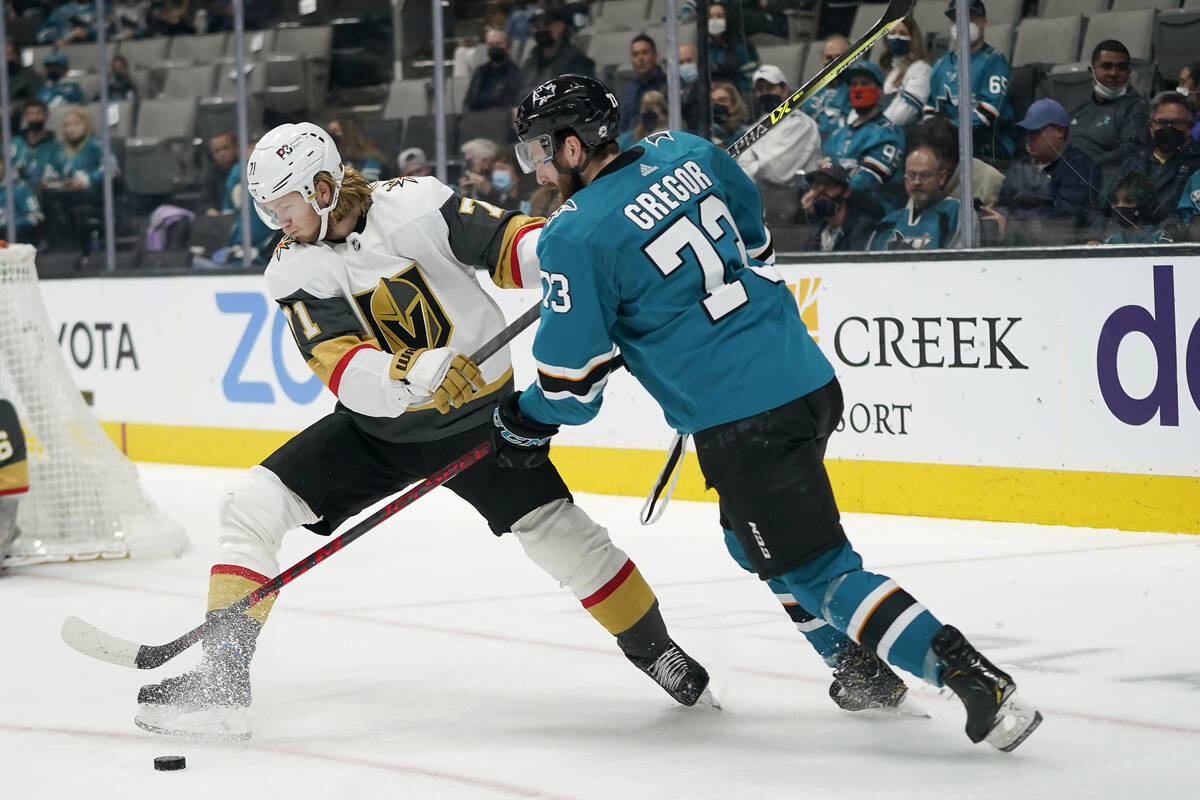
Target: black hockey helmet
{"type": "Point", "coordinates": [576, 103]}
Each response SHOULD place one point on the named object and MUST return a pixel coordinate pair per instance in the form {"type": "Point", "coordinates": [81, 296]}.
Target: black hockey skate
{"type": "Point", "coordinates": [862, 680]}
{"type": "Point", "coordinates": [213, 700]}
{"type": "Point", "coordinates": [994, 711]}
{"type": "Point", "coordinates": [680, 675]}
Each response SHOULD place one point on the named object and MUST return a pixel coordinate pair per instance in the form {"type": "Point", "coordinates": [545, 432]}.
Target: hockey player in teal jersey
{"type": "Point", "coordinates": [991, 112]}
{"type": "Point", "coordinates": [661, 251]}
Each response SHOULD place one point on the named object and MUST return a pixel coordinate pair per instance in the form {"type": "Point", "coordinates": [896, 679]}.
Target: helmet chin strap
{"type": "Point", "coordinates": [575, 173]}
{"type": "Point", "coordinates": [323, 213]}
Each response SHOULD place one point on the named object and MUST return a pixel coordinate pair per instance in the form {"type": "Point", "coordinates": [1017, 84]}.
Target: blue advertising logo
{"type": "Point", "coordinates": [1158, 325]}
{"type": "Point", "coordinates": [242, 391]}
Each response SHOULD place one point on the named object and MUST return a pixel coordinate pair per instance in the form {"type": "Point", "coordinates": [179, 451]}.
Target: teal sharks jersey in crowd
{"type": "Point", "coordinates": [665, 256]}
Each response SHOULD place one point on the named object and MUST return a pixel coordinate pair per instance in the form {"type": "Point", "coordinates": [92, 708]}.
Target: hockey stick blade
{"type": "Point", "coordinates": [93, 642]}
{"type": "Point", "coordinates": [895, 11]}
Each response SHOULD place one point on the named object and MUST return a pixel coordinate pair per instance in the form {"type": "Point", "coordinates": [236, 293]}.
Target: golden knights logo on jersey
{"type": "Point", "coordinates": [404, 313]}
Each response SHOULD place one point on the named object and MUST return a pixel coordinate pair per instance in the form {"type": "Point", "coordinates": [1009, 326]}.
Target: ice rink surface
{"type": "Point", "coordinates": [431, 660]}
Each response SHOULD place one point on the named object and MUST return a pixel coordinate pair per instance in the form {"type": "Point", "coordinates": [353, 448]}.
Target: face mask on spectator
{"type": "Point", "coordinates": [898, 45]}
{"type": "Point", "coordinates": [1169, 139]}
{"type": "Point", "coordinates": [688, 72]}
{"type": "Point", "coordinates": [1183, 90]}
{"type": "Point", "coordinates": [497, 54]}
{"type": "Point", "coordinates": [543, 38]}
{"type": "Point", "coordinates": [501, 180]}
{"type": "Point", "coordinates": [864, 96]}
{"type": "Point", "coordinates": [768, 102]}
{"type": "Point", "coordinates": [1106, 93]}
{"type": "Point", "coordinates": [650, 120]}
{"type": "Point", "coordinates": [826, 207]}
{"type": "Point", "coordinates": [720, 113]}
{"type": "Point", "coordinates": [972, 31]}
{"type": "Point", "coordinates": [36, 125]}
{"type": "Point", "coordinates": [1127, 217]}
{"type": "Point", "coordinates": [716, 26]}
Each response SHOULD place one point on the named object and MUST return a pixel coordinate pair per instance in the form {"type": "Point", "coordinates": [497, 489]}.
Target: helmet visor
{"type": "Point", "coordinates": [535, 152]}
{"type": "Point", "coordinates": [269, 217]}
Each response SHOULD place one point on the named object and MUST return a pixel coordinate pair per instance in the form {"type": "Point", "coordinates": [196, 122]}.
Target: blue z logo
{"type": "Point", "coordinates": [242, 391]}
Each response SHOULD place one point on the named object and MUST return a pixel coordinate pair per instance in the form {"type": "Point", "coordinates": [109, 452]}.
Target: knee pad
{"type": "Point", "coordinates": [256, 510]}
{"type": "Point", "coordinates": [570, 546]}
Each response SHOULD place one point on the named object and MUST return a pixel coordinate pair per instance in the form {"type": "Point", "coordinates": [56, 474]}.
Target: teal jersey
{"type": "Point", "coordinates": [1147, 234]}
{"type": "Point", "coordinates": [934, 228]}
{"type": "Point", "coordinates": [871, 152]}
{"type": "Point", "coordinates": [86, 164]}
{"type": "Point", "coordinates": [990, 106]}
{"type": "Point", "coordinates": [1189, 200]}
{"type": "Point", "coordinates": [665, 256]}
{"type": "Point", "coordinates": [31, 162]}
{"type": "Point", "coordinates": [829, 107]}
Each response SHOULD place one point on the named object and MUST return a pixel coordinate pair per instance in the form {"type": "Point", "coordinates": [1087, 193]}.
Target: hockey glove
{"type": "Point", "coordinates": [518, 441]}
{"type": "Point", "coordinates": [447, 376]}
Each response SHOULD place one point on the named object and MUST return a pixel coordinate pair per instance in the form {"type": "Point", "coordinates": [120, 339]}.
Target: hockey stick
{"type": "Point", "coordinates": [91, 641]}
{"type": "Point", "coordinates": [896, 11]}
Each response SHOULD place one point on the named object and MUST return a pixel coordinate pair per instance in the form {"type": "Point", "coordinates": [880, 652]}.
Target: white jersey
{"type": "Point", "coordinates": [405, 278]}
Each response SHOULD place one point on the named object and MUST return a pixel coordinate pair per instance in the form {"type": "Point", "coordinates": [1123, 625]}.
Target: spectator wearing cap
{"type": "Point", "coordinates": [413, 163]}
{"type": "Point", "coordinates": [929, 221]}
{"type": "Point", "coordinates": [830, 106]}
{"type": "Point", "coordinates": [867, 144]}
{"type": "Point", "coordinates": [1109, 127]}
{"type": "Point", "coordinates": [794, 145]}
{"type": "Point", "coordinates": [844, 218]}
{"type": "Point", "coordinates": [552, 54]}
{"type": "Point", "coordinates": [1130, 213]}
{"type": "Point", "coordinates": [57, 90]}
{"type": "Point", "coordinates": [648, 76]}
{"type": "Point", "coordinates": [991, 112]}
{"type": "Point", "coordinates": [497, 82]}
{"type": "Point", "coordinates": [905, 62]}
{"type": "Point", "coordinates": [1172, 156]}
{"type": "Point", "coordinates": [35, 150]}
{"type": "Point", "coordinates": [732, 57]}
{"type": "Point", "coordinates": [1056, 180]}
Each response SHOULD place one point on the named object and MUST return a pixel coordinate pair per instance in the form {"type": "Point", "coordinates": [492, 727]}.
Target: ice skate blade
{"type": "Point", "coordinates": [1014, 722]}
{"type": "Point", "coordinates": [708, 700]}
{"type": "Point", "coordinates": [211, 725]}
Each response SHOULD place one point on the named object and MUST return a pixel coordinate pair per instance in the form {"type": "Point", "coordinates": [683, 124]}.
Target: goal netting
{"type": "Point", "coordinates": [85, 501]}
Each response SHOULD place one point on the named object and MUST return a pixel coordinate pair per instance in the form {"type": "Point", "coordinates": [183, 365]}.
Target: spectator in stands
{"type": "Point", "coordinates": [1131, 210]}
{"type": "Point", "coordinates": [991, 112]}
{"type": "Point", "coordinates": [986, 180]}
{"type": "Point", "coordinates": [690, 88]}
{"type": "Point", "coordinates": [729, 114]}
{"type": "Point", "coordinates": [70, 22]}
{"type": "Point", "coordinates": [129, 18]}
{"type": "Point", "coordinates": [356, 147]}
{"type": "Point", "coordinates": [506, 179]}
{"type": "Point", "coordinates": [830, 106]}
{"type": "Point", "coordinates": [262, 238]}
{"type": "Point", "coordinates": [57, 90]}
{"type": "Point", "coordinates": [766, 16]}
{"type": "Point", "coordinates": [794, 145]}
{"type": "Point", "coordinates": [867, 144]}
{"type": "Point", "coordinates": [1188, 207]}
{"type": "Point", "coordinates": [35, 148]}
{"type": "Point", "coordinates": [25, 205]}
{"type": "Point", "coordinates": [553, 54]}
{"type": "Point", "coordinates": [1172, 156]}
{"type": "Point", "coordinates": [169, 18]}
{"type": "Point", "coordinates": [497, 82]}
{"type": "Point", "coordinates": [905, 63]}
{"type": "Point", "coordinates": [71, 185]}
{"type": "Point", "coordinates": [648, 76]}
{"type": "Point", "coordinates": [479, 155]}
{"type": "Point", "coordinates": [218, 16]}
{"type": "Point", "coordinates": [731, 56]}
{"type": "Point", "coordinates": [413, 163]}
{"type": "Point", "coordinates": [121, 87]}
{"type": "Point", "coordinates": [223, 152]}
{"type": "Point", "coordinates": [1057, 180]}
{"type": "Point", "coordinates": [1189, 87]}
{"type": "Point", "coordinates": [519, 27]}
{"type": "Point", "coordinates": [845, 219]}
{"type": "Point", "coordinates": [652, 116]}
{"type": "Point", "coordinates": [1111, 125]}
{"type": "Point", "coordinates": [23, 81]}
{"type": "Point", "coordinates": [929, 220]}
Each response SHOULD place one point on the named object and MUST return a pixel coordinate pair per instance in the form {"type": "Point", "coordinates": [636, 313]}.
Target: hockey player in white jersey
{"type": "Point", "coordinates": [378, 284]}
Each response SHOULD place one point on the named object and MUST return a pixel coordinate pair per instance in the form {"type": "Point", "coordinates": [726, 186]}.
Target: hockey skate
{"type": "Point", "coordinates": [862, 680]}
{"type": "Point", "coordinates": [213, 700]}
{"type": "Point", "coordinates": [680, 675]}
{"type": "Point", "coordinates": [994, 711]}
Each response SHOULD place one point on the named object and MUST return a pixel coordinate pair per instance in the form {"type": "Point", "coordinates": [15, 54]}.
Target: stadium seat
{"type": "Point", "coordinates": [89, 83]}
{"type": "Point", "coordinates": [788, 57]}
{"type": "Point", "coordinates": [1134, 29]}
{"type": "Point", "coordinates": [285, 77]}
{"type": "Point", "coordinates": [216, 114]}
{"type": "Point", "coordinates": [610, 47]}
{"type": "Point", "coordinates": [154, 166]}
{"type": "Point", "coordinates": [386, 134]}
{"type": "Point", "coordinates": [931, 16]}
{"type": "Point", "coordinates": [314, 44]}
{"type": "Point", "coordinates": [1069, 84]}
{"type": "Point", "coordinates": [617, 15]}
{"type": "Point", "coordinates": [420, 131]}
{"type": "Point", "coordinates": [144, 52]}
{"type": "Point", "coordinates": [256, 78]}
{"type": "Point", "coordinates": [1041, 41]}
{"type": "Point", "coordinates": [1049, 9]}
{"type": "Point", "coordinates": [84, 55]}
{"type": "Point", "coordinates": [1000, 37]}
{"type": "Point", "coordinates": [1190, 4]}
{"type": "Point", "coordinates": [1175, 38]}
{"type": "Point", "coordinates": [1004, 12]}
{"type": "Point", "coordinates": [813, 62]}
{"type": "Point", "coordinates": [202, 49]}
{"type": "Point", "coordinates": [456, 94]}
{"type": "Point", "coordinates": [865, 16]}
{"type": "Point", "coordinates": [120, 123]}
{"type": "Point", "coordinates": [658, 32]}
{"type": "Point", "coordinates": [1134, 5]}
{"type": "Point", "coordinates": [180, 82]}
{"type": "Point", "coordinates": [407, 98]}
{"type": "Point", "coordinates": [493, 124]}
{"type": "Point", "coordinates": [166, 119]}
{"type": "Point", "coordinates": [1022, 88]}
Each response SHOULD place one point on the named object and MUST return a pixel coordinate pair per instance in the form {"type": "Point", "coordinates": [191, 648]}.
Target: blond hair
{"type": "Point", "coordinates": [354, 200]}
{"type": "Point", "coordinates": [89, 129]}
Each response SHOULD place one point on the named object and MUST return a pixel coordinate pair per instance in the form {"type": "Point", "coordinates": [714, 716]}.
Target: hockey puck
{"type": "Point", "coordinates": [168, 763]}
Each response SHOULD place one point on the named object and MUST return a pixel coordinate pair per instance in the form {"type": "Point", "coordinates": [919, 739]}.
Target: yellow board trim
{"type": "Point", "coordinates": [1001, 494]}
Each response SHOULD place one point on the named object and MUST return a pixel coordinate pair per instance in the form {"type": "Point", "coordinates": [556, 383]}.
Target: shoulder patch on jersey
{"type": "Point", "coordinates": [284, 244]}
{"type": "Point", "coordinates": [567, 206]}
{"type": "Point", "coordinates": [387, 186]}
{"type": "Point", "coordinates": [658, 136]}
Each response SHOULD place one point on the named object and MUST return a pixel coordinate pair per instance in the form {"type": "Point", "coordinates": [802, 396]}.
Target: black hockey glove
{"type": "Point", "coordinates": [518, 441]}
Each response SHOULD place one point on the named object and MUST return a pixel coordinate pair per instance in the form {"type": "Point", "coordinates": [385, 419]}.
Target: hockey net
{"type": "Point", "coordinates": [85, 500]}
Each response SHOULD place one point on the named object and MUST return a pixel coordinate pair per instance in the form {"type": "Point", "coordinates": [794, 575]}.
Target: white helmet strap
{"type": "Point", "coordinates": [323, 213]}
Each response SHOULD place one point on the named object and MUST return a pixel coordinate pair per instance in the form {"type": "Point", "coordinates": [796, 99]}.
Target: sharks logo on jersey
{"type": "Point", "coordinates": [404, 312]}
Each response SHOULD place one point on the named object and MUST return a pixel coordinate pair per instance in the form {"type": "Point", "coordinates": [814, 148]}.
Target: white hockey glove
{"type": "Point", "coordinates": [444, 374]}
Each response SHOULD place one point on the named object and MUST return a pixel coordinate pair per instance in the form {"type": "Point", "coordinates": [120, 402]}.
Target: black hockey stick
{"type": "Point", "coordinates": [91, 641]}
{"type": "Point", "coordinates": [895, 11]}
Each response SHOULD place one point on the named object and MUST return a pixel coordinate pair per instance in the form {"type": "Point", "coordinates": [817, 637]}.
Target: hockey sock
{"type": "Point", "coordinates": [228, 583]}
{"type": "Point", "coordinates": [824, 638]}
{"type": "Point", "coordinates": [871, 609]}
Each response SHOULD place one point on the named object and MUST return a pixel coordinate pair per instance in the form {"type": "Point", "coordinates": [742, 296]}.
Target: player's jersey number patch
{"type": "Point", "coordinates": [556, 294]}
{"type": "Point", "coordinates": [665, 251]}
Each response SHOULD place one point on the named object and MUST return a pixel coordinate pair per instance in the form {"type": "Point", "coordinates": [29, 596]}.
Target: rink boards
{"type": "Point", "coordinates": [1061, 391]}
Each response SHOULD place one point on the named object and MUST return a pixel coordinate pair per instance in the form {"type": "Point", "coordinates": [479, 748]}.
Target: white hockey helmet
{"type": "Point", "coordinates": [287, 159]}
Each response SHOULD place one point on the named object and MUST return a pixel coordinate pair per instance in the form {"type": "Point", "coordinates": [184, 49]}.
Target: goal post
{"type": "Point", "coordinates": [85, 500]}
